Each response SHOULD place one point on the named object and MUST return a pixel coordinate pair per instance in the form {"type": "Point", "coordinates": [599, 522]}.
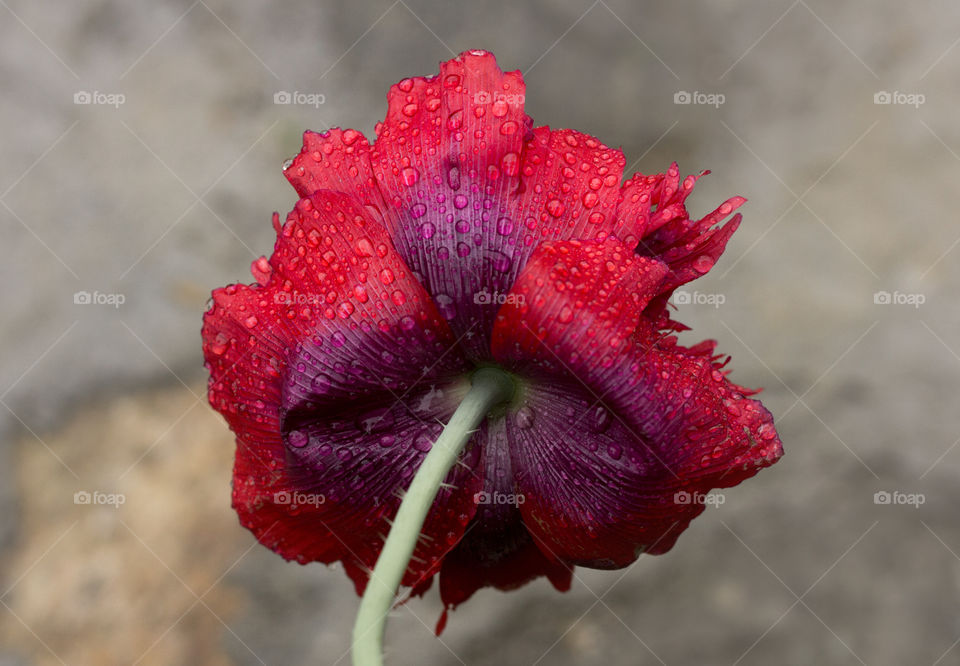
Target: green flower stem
{"type": "Point", "coordinates": [489, 388]}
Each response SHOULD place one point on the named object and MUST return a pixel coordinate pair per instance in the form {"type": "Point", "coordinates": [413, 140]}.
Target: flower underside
{"type": "Point", "coordinates": [463, 238]}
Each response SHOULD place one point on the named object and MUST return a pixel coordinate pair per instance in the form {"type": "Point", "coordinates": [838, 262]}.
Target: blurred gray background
{"type": "Point", "coordinates": [838, 295]}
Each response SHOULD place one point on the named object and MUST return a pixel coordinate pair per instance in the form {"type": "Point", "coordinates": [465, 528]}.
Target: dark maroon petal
{"type": "Point", "coordinates": [678, 424]}
{"type": "Point", "coordinates": [497, 550]}
{"type": "Point", "coordinates": [595, 491]}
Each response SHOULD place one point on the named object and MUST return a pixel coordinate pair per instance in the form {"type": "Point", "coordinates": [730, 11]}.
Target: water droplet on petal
{"type": "Point", "coordinates": [409, 175]}
{"type": "Point", "coordinates": [600, 419]}
{"type": "Point", "coordinates": [523, 418]}
{"type": "Point", "coordinates": [297, 439]}
{"type": "Point", "coordinates": [703, 263]}
{"type": "Point", "coordinates": [387, 440]}
{"type": "Point", "coordinates": [220, 344]}
{"type": "Point", "coordinates": [499, 261]}
{"type": "Point", "coordinates": [427, 230]}
{"type": "Point", "coordinates": [767, 432]}
{"type": "Point", "coordinates": [504, 226]}
{"type": "Point", "coordinates": [510, 163]}
{"type": "Point", "coordinates": [364, 248]}
{"type": "Point", "coordinates": [455, 120]}
{"type": "Point", "coordinates": [453, 178]}
{"type": "Point", "coordinates": [418, 210]}
{"type": "Point", "coordinates": [423, 441]}
{"type": "Point", "coordinates": [555, 208]}
{"type": "Point", "coordinates": [386, 276]}
{"type": "Point", "coordinates": [321, 383]}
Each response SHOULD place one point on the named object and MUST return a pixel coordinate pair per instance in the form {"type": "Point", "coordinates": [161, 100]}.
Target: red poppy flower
{"type": "Point", "coordinates": [463, 237]}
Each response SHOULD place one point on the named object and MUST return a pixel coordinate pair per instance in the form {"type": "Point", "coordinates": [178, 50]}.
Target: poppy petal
{"type": "Point", "coordinates": [307, 366]}
{"type": "Point", "coordinates": [339, 160]}
{"type": "Point", "coordinates": [472, 189]}
{"type": "Point", "coordinates": [497, 550]}
{"type": "Point", "coordinates": [652, 217]}
{"type": "Point", "coordinates": [595, 491]}
{"type": "Point", "coordinates": [678, 424]}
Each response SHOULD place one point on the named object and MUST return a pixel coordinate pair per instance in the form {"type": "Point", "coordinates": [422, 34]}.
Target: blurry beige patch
{"type": "Point", "coordinates": [109, 565]}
